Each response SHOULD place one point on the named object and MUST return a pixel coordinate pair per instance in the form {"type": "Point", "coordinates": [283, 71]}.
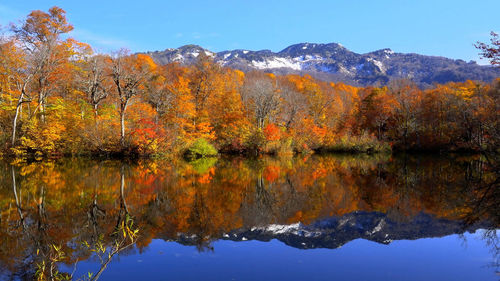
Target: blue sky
{"type": "Point", "coordinates": [437, 27]}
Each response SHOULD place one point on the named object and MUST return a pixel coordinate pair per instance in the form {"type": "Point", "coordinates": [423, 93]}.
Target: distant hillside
{"type": "Point", "coordinates": [333, 62]}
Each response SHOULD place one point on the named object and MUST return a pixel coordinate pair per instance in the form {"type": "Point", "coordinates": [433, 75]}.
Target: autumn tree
{"type": "Point", "coordinates": [260, 96]}
{"type": "Point", "coordinates": [94, 80]}
{"type": "Point", "coordinates": [159, 91]}
{"type": "Point", "coordinates": [293, 103]}
{"type": "Point", "coordinates": [205, 81]}
{"type": "Point", "coordinates": [490, 52]}
{"type": "Point", "coordinates": [369, 116]}
{"type": "Point", "coordinates": [405, 96]}
{"type": "Point", "coordinates": [347, 98]}
{"type": "Point", "coordinates": [13, 80]}
{"type": "Point", "coordinates": [227, 116]}
{"type": "Point", "coordinates": [173, 102]}
{"type": "Point", "coordinates": [128, 74]}
{"type": "Point", "coordinates": [40, 38]}
{"type": "Point", "coordinates": [489, 117]}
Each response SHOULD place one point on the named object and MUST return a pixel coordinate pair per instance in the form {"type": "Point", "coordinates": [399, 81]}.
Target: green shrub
{"type": "Point", "coordinates": [200, 148]}
{"type": "Point", "coordinates": [202, 165]}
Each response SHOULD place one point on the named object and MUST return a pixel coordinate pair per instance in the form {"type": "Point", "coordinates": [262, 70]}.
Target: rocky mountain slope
{"type": "Point", "coordinates": [333, 62]}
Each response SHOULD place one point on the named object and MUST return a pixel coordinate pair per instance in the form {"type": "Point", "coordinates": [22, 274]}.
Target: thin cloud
{"type": "Point", "coordinates": [100, 41]}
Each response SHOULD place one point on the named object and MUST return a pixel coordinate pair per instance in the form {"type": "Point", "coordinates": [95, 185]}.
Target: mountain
{"type": "Point", "coordinates": [333, 62]}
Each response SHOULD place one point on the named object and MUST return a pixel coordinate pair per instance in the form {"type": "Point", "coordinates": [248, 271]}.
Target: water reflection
{"type": "Point", "coordinates": [65, 211]}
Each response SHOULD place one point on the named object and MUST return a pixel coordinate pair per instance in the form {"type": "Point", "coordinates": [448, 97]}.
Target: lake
{"type": "Point", "coordinates": [313, 217]}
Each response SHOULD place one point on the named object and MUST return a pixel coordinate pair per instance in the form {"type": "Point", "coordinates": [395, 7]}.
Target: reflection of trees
{"type": "Point", "coordinates": [17, 200]}
{"type": "Point", "coordinates": [483, 176]}
{"type": "Point", "coordinates": [33, 241]}
{"type": "Point", "coordinates": [70, 201]}
{"type": "Point", "coordinates": [24, 234]}
{"type": "Point", "coordinates": [45, 234]}
{"type": "Point", "coordinates": [263, 200]}
{"type": "Point", "coordinates": [95, 213]}
{"type": "Point", "coordinates": [492, 241]}
{"type": "Point", "coordinates": [123, 211]}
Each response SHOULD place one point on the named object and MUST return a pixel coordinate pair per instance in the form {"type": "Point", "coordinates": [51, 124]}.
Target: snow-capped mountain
{"type": "Point", "coordinates": [333, 62]}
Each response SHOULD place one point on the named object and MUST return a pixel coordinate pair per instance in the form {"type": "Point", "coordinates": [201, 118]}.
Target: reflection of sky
{"type": "Point", "coordinates": [447, 258]}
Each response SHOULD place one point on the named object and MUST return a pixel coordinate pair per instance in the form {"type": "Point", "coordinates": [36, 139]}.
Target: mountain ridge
{"type": "Point", "coordinates": [334, 62]}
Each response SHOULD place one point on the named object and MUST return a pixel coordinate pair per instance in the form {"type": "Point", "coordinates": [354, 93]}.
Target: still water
{"type": "Point", "coordinates": [333, 217]}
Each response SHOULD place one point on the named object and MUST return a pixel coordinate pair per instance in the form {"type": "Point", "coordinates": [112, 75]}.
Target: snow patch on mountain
{"type": "Point", "coordinates": [281, 228]}
{"type": "Point", "coordinates": [342, 69]}
{"type": "Point", "coordinates": [378, 64]}
{"type": "Point", "coordinates": [308, 58]}
{"type": "Point", "coordinates": [296, 63]}
{"type": "Point", "coordinates": [277, 62]}
{"type": "Point", "coordinates": [377, 228]}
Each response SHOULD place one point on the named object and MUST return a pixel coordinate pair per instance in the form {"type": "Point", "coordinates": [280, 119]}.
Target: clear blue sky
{"type": "Point", "coordinates": [437, 27]}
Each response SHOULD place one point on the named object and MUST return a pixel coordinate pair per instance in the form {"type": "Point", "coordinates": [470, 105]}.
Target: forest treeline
{"type": "Point", "coordinates": [59, 97]}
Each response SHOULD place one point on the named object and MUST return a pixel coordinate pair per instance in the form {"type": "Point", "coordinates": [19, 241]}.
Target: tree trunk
{"type": "Point", "coordinates": [122, 124]}
{"type": "Point", "coordinates": [95, 118]}
{"type": "Point", "coordinates": [41, 106]}
{"type": "Point", "coordinates": [18, 108]}
{"type": "Point", "coordinates": [14, 122]}
{"type": "Point", "coordinates": [123, 107]}
{"type": "Point", "coordinates": [95, 113]}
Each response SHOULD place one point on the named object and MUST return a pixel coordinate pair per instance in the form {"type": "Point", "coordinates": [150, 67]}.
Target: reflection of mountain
{"type": "Point", "coordinates": [306, 202]}
{"type": "Point", "coordinates": [333, 232]}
